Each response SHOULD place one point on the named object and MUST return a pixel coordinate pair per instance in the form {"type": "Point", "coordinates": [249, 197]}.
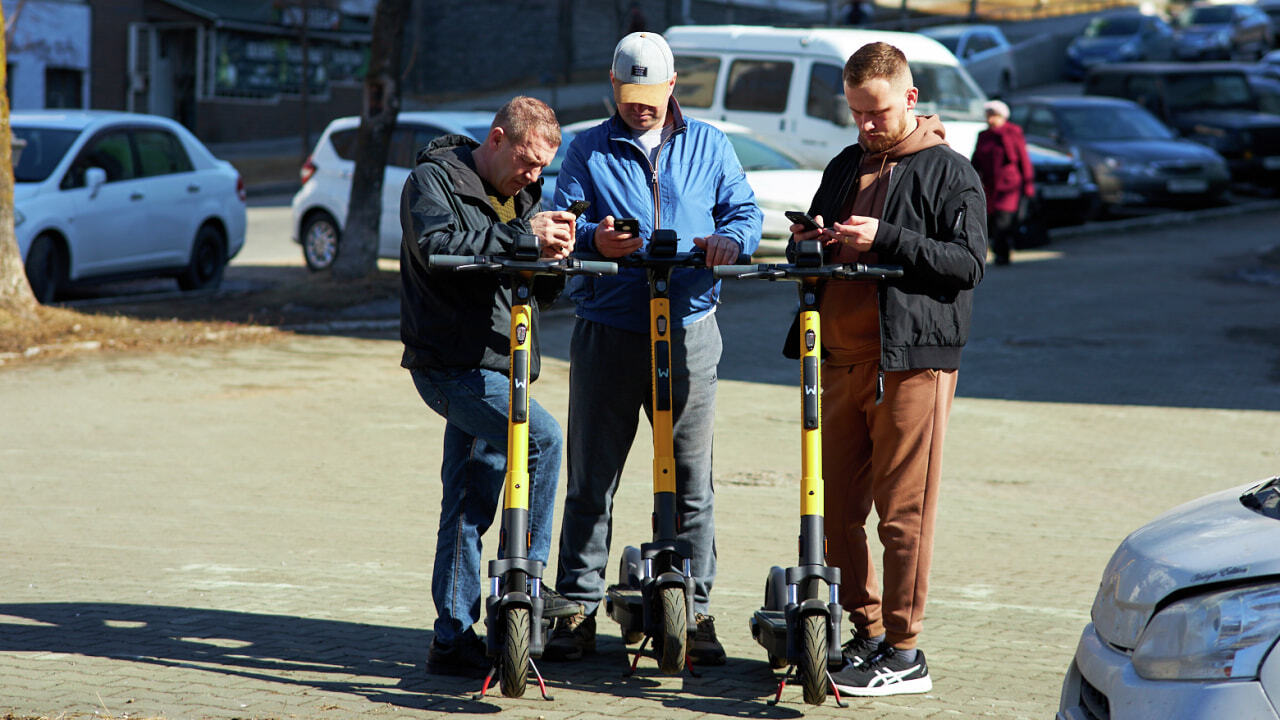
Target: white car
{"type": "Point", "coordinates": [320, 206]}
{"type": "Point", "coordinates": [1186, 622]}
{"type": "Point", "coordinates": [780, 181]}
{"type": "Point", "coordinates": [984, 52]}
{"type": "Point", "coordinates": [106, 195]}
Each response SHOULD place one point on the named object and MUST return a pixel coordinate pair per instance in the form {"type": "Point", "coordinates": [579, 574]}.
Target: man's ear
{"type": "Point", "coordinates": [495, 137]}
{"type": "Point", "coordinates": [913, 94]}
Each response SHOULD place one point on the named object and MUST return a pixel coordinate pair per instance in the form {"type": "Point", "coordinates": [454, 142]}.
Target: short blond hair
{"type": "Point", "coordinates": [524, 115]}
{"type": "Point", "coordinates": [877, 60]}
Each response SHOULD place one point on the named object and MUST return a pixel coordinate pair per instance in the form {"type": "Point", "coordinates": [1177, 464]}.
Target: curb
{"type": "Point", "coordinates": [1165, 218]}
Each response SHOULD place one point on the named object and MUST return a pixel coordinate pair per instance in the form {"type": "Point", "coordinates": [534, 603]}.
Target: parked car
{"type": "Point", "coordinates": [1187, 617]}
{"type": "Point", "coordinates": [1270, 63]}
{"type": "Point", "coordinates": [780, 181]}
{"type": "Point", "coordinates": [1222, 31]}
{"type": "Point", "coordinates": [1065, 191]}
{"type": "Point", "coordinates": [1134, 158]}
{"type": "Point", "coordinates": [1211, 103]}
{"type": "Point", "coordinates": [320, 206]}
{"type": "Point", "coordinates": [1272, 9]}
{"type": "Point", "coordinates": [983, 51]}
{"type": "Point", "coordinates": [109, 195]}
{"type": "Point", "coordinates": [1121, 36]}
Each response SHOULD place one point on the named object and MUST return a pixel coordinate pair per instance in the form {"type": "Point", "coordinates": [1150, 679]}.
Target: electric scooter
{"type": "Point", "coordinates": [653, 598]}
{"type": "Point", "coordinates": [798, 629]}
{"type": "Point", "coordinates": [516, 632]}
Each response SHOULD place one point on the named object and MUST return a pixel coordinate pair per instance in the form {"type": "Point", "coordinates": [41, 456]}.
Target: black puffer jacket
{"type": "Point", "coordinates": [934, 226]}
{"type": "Point", "coordinates": [449, 319]}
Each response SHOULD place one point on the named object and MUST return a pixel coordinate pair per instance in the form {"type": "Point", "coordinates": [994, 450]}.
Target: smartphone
{"type": "Point", "coordinates": [627, 225]}
{"type": "Point", "coordinates": [801, 218]}
{"type": "Point", "coordinates": [579, 207]}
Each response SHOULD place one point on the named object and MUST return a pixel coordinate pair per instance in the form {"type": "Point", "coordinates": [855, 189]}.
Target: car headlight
{"type": "Point", "coordinates": [1129, 50]}
{"type": "Point", "coordinates": [18, 217]}
{"type": "Point", "coordinates": [1219, 636]}
{"type": "Point", "coordinates": [1222, 37]}
{"type": "Point", "coordinates": [1073, 51]}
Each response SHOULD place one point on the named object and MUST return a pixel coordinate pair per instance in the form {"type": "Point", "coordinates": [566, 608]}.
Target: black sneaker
{"type": "Point", "coordinates": [573, 637]}
{"type": "Point", "coordinates": [884, 673]}
{"type": "Point", "coordinates": [705, 648]}
{"type": "Point", "coordinates": [555, 605]}
{"type": "Point", "coordinates": [466, 657]}
{"type": "Point", "coordinates": [859, 648]}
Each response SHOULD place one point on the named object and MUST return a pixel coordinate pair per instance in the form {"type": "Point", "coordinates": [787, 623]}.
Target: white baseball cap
{"type": "Point", "coordinates": [644, 66]}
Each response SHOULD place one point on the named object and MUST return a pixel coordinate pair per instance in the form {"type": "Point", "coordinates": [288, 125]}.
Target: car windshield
{"type": "Point", "coordinates": [755, 155]}
{"type": "Point", "coordinates": [950, 42]}
{"type": "Point", "coordinates": [1118, 123]}
{"type": "Point", "coordinates": [945, 91]}
{"type": "Point", "coordinates": [1264, 499]}
{"type": "Point", "coordinates": [44, 148]}
{"type": "Point", "coordinates": [1207, 15]}
{"type": "Point", "coordinates": [1113, 27]}
{"type": "Point", "coordinates": [1210, 91]}
{"type": "Point", "coordinates": [478, 132]}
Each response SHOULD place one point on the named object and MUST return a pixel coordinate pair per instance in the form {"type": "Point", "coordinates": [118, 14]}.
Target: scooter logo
{"type": "Point", "coordinates": [663, 373]}
{"type": "Point", "coordinates": [522, 332]}
{"type": "Point", "coordinates": [810, 390]}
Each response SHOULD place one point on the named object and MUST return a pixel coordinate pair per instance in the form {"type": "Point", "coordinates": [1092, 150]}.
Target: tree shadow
{"type": "Point", "coordinates": [382, 664]}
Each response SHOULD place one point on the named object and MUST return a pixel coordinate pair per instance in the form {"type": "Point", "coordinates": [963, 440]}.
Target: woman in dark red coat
{"type": "Point", "coordinates": [1001, 159]}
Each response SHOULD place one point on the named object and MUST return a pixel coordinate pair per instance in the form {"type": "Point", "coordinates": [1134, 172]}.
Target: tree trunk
{"type": "Point", "coordinates": [15, 292]}
{"type": "Point", "coordinates": [358, 246]}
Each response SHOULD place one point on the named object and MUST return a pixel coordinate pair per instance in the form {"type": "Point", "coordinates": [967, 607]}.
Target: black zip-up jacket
{"type": "Point", "coordinates": [450, 319]}
{"type": "Point", "coordinates": [934, 226]}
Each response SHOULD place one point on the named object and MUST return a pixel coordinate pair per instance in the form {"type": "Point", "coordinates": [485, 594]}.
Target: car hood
{"type": "Point", "coordinates": [787, 189]}
{"type": "Point", "coordinates": [1208, 541]}
{"type": "Point", "coordinates": [1100, 45]}
{"type": "Point", "coordinates": [1042, 156]}
{"type": "Point", "coordinates": [1193, 31]}
{"type": "Point", "coordinates": [1152, 150]}
{"type": "Point", "coordinates": [1230, 119]}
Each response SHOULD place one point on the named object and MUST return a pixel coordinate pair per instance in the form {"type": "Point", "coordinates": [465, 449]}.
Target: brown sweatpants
{"type": "Point", "coordinates": [889, 455]}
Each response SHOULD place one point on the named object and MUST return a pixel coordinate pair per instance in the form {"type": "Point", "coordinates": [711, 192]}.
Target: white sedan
{"type": "Point", "coordinates": [105, 195]}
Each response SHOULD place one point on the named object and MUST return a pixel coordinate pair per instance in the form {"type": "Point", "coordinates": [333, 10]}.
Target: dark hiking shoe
{"type": "Point", "coordinates": [884, 673]}
{"type": "Point", "coordinates": [573, 637]}
{"type": "Point", "coordinates": [555, 605]}
{"type": "Point", "coordinates": [466, 657]}
{"type": "Point", "coordinates": [705, 648]}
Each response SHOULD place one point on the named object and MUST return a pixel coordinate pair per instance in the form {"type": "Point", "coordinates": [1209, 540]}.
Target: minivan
{"type": "Point", "coordinates": [787, 83]}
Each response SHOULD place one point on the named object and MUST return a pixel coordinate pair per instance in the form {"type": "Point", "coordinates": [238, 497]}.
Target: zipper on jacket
{"type": "Point", "coordinates": [958, 226]}
{"type": "Point", "coordinates": [879, 383]}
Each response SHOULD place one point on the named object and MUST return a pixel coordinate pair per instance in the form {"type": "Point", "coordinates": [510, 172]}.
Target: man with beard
{"type": "Point", "coordinates": [898, 196]}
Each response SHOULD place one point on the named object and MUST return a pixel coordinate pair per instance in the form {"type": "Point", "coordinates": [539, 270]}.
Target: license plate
{"type": "Point", "coordinates": [1271, 163]}
{"type": "Point", "coordinates": [1184, 185]}
{"type": "Point", "coordinates": [1059, 192]}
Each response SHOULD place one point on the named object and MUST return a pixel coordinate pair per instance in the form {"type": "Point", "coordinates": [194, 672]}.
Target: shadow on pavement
{"type": "Point", "coordinates": [381, 664]}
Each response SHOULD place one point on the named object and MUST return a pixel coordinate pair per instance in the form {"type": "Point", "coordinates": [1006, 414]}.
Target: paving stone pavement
{"type": "Point", "coordinates": [247, 532]}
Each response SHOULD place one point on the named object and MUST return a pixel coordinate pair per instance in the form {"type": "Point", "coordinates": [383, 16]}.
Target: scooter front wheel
{"type": "Point", "coordinates": [675, 636]}
{"type": "Point", "coordinates": [813, 658]}
{"type": "Point", "coordinates": [515, 651]}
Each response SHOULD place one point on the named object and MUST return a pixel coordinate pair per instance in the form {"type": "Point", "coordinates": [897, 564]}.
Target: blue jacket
{"type": "Point", "coordinates": [699, 189]}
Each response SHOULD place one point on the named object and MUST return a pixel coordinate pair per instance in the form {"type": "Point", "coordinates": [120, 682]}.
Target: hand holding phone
{"type": "Point", "coordinates": [802, 218]}
{"type": "Point", "coordinates": [579, 207]}
{"type": "Point", "coordinates": [627, 225]}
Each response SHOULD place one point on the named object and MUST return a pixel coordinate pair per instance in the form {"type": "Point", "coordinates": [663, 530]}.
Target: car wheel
{"type": "Point", "coordinates": [208, 261]}
{"type": "Point", "coordinates": [46, 268]}
{"type": "Point", "coordinates": [320, 236]}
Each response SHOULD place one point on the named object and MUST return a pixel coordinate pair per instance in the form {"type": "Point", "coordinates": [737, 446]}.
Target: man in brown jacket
{"type": "Point", "coordinates": [899, 196]}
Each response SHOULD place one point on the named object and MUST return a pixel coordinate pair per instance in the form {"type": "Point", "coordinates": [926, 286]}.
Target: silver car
{"type": "Point", "coordinates": [1187, 618]}
{"type": "Point", "coordinates": [984, 52]}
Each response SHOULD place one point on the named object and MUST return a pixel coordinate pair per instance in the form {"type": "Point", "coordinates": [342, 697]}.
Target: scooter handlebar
{"type": "Point", "coordinates": [759, 270]}
{"type": "Point", "coordinates": [859, 270]}
{"type": "Point", "coordinates": [574, 266]}
{"type": "Point", "coordinates": [445, 262]}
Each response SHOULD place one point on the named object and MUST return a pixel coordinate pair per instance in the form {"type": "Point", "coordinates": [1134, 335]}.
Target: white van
{"type": "Point", "coordinates": [787, 83]}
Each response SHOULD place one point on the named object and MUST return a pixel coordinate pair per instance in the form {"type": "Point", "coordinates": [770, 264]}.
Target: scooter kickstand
{"type": "Point", "coordinates": [487, 679]}
{"type": "Point", "coordinates": [836, 691]}
{"type": "Point", "coordinates": [542, 685]}
{"type": "Point", "coordinates": [782, 685]}
{"type": "Point", "coordinates": [636, 661]}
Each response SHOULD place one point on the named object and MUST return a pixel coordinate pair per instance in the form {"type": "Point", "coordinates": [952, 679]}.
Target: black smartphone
{"type": "Point", "coordinates": [627, 225]}
{"type": "Point", "coordinates": [801, 218]}
{"type": "Point", "coordinates": [579, 207]}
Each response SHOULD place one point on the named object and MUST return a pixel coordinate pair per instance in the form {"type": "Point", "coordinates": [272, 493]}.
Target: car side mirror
{"type": "Point", "coordinates": [94, 178]}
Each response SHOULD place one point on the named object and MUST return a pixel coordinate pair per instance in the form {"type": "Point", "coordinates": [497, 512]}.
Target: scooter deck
{"type": "Point", "coordinates": [626, 606]}
{"type": "Point", "coordinates": [769, 628]}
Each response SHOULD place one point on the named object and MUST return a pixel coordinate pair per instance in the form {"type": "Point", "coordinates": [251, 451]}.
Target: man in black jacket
{"type": "Point", "coordinates": [899, 196]}
{"type": "Point", "coordinates": [468, 198]}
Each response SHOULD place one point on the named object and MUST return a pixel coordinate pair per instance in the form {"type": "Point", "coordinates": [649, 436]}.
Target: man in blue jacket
{"type": "Point", "coordinates": [651, 163]}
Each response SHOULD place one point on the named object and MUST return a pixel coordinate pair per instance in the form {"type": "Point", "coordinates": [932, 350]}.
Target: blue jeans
{"type": "Point", "coordinates": [474, 406]}
{"type": "Point", "coordinates": [608, 385]}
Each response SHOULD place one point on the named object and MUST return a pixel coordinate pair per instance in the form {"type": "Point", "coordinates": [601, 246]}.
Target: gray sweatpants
{"type": "Point", "coordinates": [608, 384]}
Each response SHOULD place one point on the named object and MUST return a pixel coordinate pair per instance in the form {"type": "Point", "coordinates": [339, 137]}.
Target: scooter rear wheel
{"type": "Point", "coordinates": [515, 651]}
{"type": "Point", "coordinates": [675, 636]}
{"type": "Point", "coordinates": [813, 659]}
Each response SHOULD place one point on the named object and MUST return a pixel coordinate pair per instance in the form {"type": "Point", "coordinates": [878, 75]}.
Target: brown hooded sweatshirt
{"type": "Point", "coordinates": [850, 308]}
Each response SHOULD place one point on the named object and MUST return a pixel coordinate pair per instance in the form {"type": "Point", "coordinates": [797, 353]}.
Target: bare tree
{"type": "Point", "coordinates": [358, 245]}
{"type": "Point", "coordinates": [15, 292]}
